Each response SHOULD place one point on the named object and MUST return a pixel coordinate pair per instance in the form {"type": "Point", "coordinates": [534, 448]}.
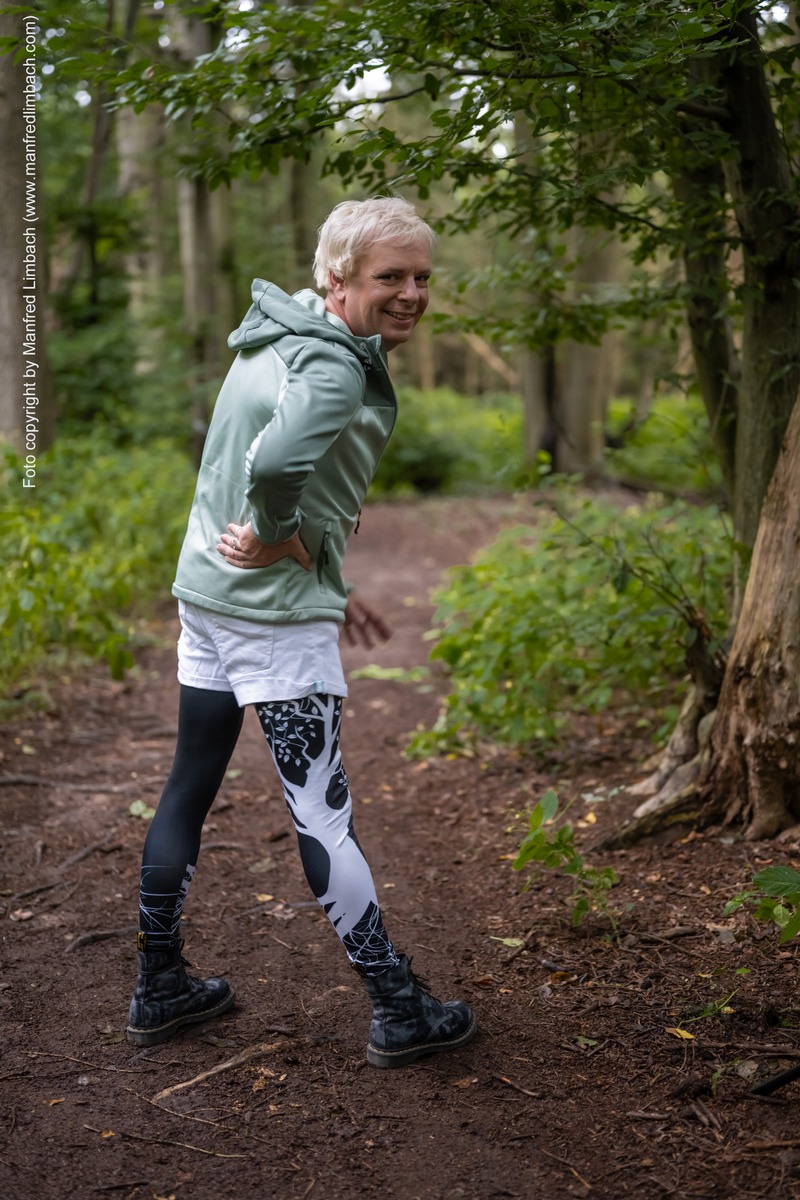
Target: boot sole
{"type": "Point", "coordinates": [162, 1033]}
{"type": "Point", "coordinates": [401, 1058]}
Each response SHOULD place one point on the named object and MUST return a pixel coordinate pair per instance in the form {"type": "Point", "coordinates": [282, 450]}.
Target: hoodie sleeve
{"type": "Point", "coordinates": [322, 390]}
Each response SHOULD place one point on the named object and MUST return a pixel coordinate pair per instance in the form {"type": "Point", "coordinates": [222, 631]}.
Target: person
{"type": "Point", "coordinates": [297, 431]}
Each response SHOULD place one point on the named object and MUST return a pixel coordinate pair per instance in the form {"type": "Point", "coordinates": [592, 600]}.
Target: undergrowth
{"type": "Point", "coordinates": [96, 540]}
{"type": "Point", "coordinates": [585, 609]}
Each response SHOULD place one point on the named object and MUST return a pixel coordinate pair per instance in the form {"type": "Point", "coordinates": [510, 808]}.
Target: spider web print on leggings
{"type": "Point", "coordinates": [303, 736]}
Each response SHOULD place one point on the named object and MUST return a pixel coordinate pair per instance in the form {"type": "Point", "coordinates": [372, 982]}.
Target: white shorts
{"type": "Point", "coordinates": [258, 662]}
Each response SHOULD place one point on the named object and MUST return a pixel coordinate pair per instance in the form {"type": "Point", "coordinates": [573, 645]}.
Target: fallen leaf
{"type": "Point", "coordinates": [263, 864]}
{"type": "Point", "coordinates": [112, 1038]}
{"type": "Point", "coordinates": [20, 914]}
{"type": "Point", "coordinates": [52, 1102]}
{"type": "Point", "coordinates": [562, 977]}
{"type": "Point", "coordinates": [139, 809]}
{"type": "Point", "coordinates": [464, 1083]}
{"type": "Point", "coordinates": [264, 897]}
{"type": "Point", "coordinates": [107, 1133]}
{"type": "Point", "coordinates": [680, 1033]}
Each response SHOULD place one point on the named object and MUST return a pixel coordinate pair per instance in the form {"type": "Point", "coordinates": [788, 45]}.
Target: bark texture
{"type": "Point", "coordinates": [715, 356]}
{"type": "Point", "coordinates": [754, 777]}
{"type": "Point", "coordinates": [588, 372]}
{"type": "Point", "coordinates": [759, 179]}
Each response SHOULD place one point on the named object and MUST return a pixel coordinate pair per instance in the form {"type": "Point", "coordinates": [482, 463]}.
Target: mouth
{"type": "Point", "coordinates": [400, 316]}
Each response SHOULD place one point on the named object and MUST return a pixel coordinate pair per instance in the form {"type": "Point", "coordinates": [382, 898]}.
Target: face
{"type": "Point", "coordinates": [387, 293]}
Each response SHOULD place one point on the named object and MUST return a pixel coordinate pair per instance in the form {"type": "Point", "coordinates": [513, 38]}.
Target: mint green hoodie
{"type": "Point", "coordinates": [297, 432]}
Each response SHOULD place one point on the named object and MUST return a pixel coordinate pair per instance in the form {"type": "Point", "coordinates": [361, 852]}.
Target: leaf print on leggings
{"type": "Point", "coordinates": [297, 735]}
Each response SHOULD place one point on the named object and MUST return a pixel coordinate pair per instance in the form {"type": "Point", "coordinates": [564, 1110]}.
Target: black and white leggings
{"type": "Point", "coordinates": [303, 736]}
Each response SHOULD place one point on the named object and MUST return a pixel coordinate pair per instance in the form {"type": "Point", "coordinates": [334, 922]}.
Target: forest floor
{"type": "Point", "coordinates": [609, 1062]}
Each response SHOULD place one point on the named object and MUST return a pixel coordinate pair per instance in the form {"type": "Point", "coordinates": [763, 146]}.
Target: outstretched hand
{"type": "Point", "coordinates": [363, 625]}
{"type": "Point", "coordinates": [241, 548]}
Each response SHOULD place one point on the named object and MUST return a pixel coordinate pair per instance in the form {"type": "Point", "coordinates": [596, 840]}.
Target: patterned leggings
{"type": "Point", "coordinates": [303, 736]}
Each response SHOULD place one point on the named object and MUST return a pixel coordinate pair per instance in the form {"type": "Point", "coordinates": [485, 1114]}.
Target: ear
{"type": "Point", "coordinates": [336, 286]}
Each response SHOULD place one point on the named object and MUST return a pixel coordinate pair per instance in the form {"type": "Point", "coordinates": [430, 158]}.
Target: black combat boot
{"type": "Point", "coordinates": [167, 998]}
{"type": "Point", "coordinates": [408, 1022]}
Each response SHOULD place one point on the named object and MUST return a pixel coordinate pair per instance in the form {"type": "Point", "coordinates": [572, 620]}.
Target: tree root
{"type": "Point", "coordinates": [679, 799]}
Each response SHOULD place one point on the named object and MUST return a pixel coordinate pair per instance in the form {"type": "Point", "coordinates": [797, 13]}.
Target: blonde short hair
{"type": "Point", "coordinates": [356, 225]}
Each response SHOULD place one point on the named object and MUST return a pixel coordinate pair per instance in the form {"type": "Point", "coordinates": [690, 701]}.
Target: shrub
{"type": "Point", "coordinates": [670, 449]}
{"type": "Point", "coordinates": [577, 615]}
{"type": "Point", "coordinates": [444, 442]}
{"type": "Point", "coordinates": [97, 539]}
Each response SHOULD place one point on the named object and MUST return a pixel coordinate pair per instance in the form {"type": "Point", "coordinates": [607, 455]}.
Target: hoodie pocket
{"type": "Point", "coordinates": [323, 558]}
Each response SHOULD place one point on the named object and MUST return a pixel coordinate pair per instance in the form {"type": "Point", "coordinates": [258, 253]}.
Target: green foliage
{"type": "Point", "coordinates": [670, 448]}
{"type": "Point", "coordinates": [444, 442]}
{"type": "Point", "coordinates": [591, 609]}
{"type": "Point", "coordinates": [550, 843]}
{"type": "Point", "coordinates": [90, 546]}
{"type": "Point", "coordinates": [93, 362]}
{"type": "Point", "coordinates": [775, 897]}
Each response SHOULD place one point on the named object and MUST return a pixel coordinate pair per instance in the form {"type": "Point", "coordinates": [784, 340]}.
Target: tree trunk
{"type": "Point", "coordinates": [231, 305]}
{"type": "Point", "coordinates": [749, 766]}
{"type": "Point", "coordinates": [27, 399]}
{"type": "Point", "coordinates": [539, 388]}
{"type": "Point", "coordinates": [768, 216]}
{"type": "Point", "coordinates": [588, 372]}
{"type": "Point", "coordinates": [754, 776]}
{"type": "Point", "coordinates": [715, 357]}
{"type": "Point", "coordinates": [140, 139]}
{"type": "Point", "coordinates": [199, 301]}
{"type": "Point", "coordinates": [12, 227]}
{"type": "Point", "coordinates": [199, 262]}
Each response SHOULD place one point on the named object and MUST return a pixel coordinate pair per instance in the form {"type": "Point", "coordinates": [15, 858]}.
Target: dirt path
{"type": "Point", "coordinates": [578, 1083]}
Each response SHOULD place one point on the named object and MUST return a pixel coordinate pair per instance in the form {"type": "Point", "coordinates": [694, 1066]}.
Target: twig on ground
{"type": "Point", "coordinates": [783, 1144]}
{"type": "Point", "coordinates": [138, 1137]}
{"type": "Point", "coordinates": [43, 887]}
{"type": "Point", "coordinates": [81, 1062]}
{"type": "Point", "coordinates": [79, 855]}
{"type": "Point", "coordinates": [519, 949]}
{"type": "Point", "coordinates": [517, 1087]}
{"type": "Point", "coordinates": [34, 780]}
{"type": "Point", "coordinates": [564, 1162]}
{"type": "Point", "coordinates": [99, 935]}
{"type": "Point", "coordinates": [238, 1059]}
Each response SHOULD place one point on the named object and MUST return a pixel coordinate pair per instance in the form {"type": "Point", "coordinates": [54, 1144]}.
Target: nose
{"type": "Point", "coordinates": [409, 290]}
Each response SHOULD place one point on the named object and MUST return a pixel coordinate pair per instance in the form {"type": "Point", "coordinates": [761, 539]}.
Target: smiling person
{"type": "Point", "coordinates": [297, 432]}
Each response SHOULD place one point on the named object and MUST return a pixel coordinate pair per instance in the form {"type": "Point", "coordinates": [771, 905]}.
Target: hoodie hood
{"type": "Point", "coordinates": [273, 314]}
